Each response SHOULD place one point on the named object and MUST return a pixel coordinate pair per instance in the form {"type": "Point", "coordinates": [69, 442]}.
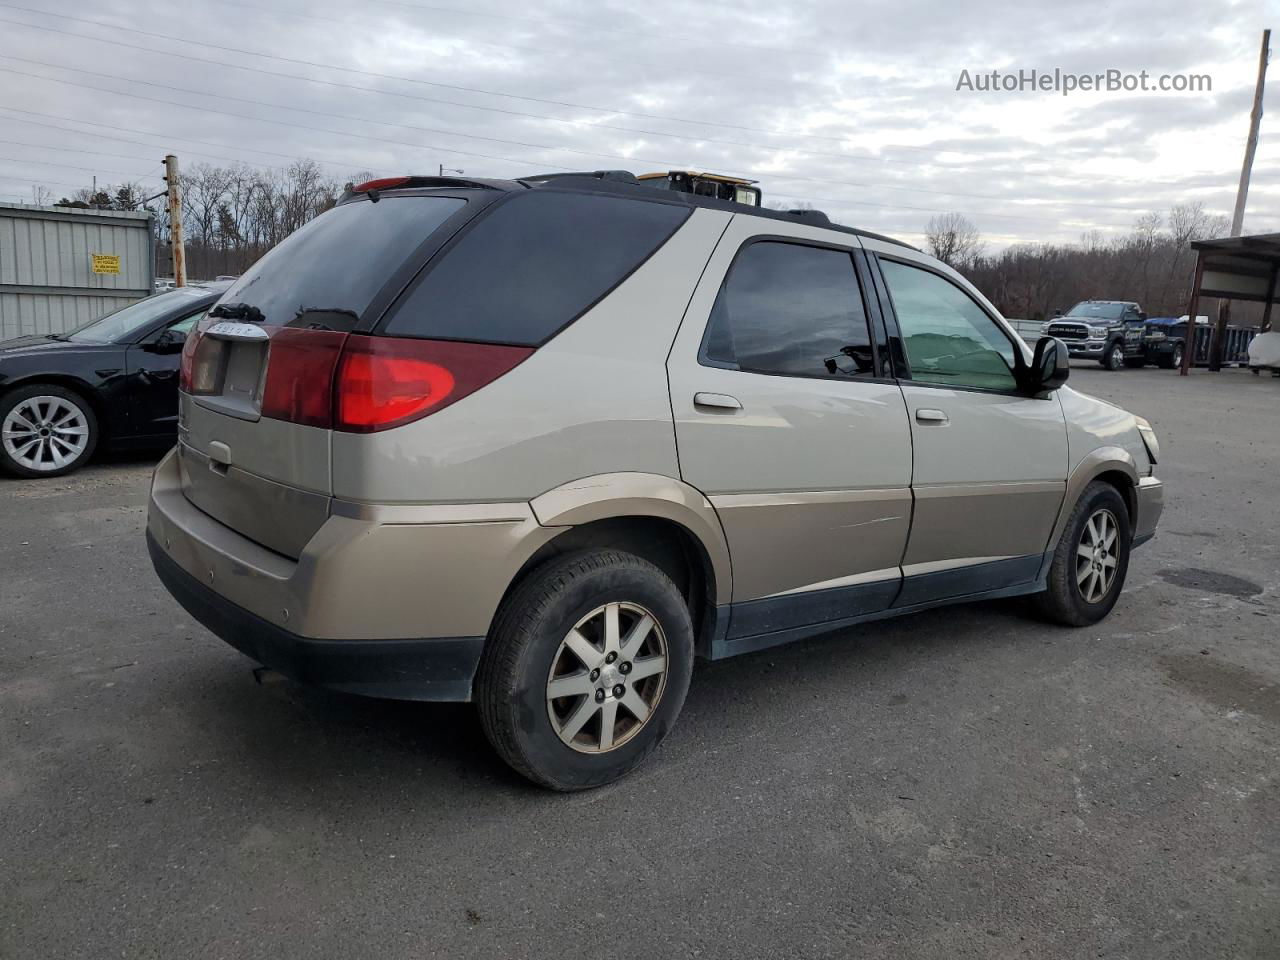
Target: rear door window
{"type": "Point", "coordinates": [791, 309]}
{"type": "Point", "coordinates": [533, 265]}
{"type": "Point", "coordinates": [337, 263]}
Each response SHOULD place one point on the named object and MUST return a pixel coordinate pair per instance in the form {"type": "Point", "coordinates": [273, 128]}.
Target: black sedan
{"type": "Point", "coordinates": [113, 381]}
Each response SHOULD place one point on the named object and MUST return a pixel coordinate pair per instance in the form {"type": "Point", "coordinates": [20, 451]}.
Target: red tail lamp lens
{"type": "Point", "coordinates": [300, 367]}
{"type": "Point", "coordinates": [385, 382]}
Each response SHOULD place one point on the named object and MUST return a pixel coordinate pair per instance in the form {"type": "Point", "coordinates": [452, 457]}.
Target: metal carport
{"type": "Point", "coordinates": [1234, 268]}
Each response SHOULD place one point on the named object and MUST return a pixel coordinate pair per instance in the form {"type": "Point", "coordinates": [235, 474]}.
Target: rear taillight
{"type": "Point", "coordinates": [201, 365]}
{"type": "Point", "coordinates": [299, 385]}
{"type": "Point", "coordinates": [384, 382]}
{"type": "Point", "coordinates": [356, 383]}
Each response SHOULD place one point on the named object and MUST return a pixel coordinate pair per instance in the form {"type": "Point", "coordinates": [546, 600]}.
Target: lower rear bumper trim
{"type": "Point", "coordinates": [436, 668]}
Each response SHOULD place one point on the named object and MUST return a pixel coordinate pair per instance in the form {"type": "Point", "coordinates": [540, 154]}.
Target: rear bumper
{"type": "Point", "coordinates": [1150, 496]}
{"type": "Point", "coordinates": [388, 601]}
{"type": "Point", "coordinates": [439, 668]}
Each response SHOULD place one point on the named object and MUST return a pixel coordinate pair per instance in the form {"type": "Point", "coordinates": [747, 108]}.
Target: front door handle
{"type": "Point", "coordinates": [717, 401]}
{"type": "Point", "coordinates": [928, 415]}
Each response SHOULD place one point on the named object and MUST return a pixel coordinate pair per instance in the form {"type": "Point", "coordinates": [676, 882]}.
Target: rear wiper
{"type": "Point", "coordinates": [238, 311]}
{"type": "Point", "coordinates": [325, 318]}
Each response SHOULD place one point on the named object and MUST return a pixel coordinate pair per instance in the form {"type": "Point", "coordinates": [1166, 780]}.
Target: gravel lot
{"type": "Point", "coordinates": [960, 783]}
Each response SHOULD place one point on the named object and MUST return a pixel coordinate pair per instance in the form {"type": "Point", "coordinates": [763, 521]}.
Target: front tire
{"type": "Point", "coordinates": [1113, 359]}
{"type": "Point", "coordinates": [45, 431]}
{"type": "Point", "coordinates": [1091, 560]}
{"type": "Point", "coordinates": [586, 669]}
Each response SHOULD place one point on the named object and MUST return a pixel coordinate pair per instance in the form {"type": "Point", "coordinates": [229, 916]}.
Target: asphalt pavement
{"type": "Point", "coordinates": [960, 783]}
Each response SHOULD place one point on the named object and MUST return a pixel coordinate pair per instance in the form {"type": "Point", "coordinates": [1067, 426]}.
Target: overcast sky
{"type": "Point", "coordinates": [850, 106]}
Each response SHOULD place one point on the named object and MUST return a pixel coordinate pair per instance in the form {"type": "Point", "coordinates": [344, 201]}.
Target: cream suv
{"type": "Point", "coordinates": [542, 443]}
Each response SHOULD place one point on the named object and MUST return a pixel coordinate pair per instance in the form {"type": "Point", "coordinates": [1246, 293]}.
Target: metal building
{"type": "Point", "coordinates": [63, 266]}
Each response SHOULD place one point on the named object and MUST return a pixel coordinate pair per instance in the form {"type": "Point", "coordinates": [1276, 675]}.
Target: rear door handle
{"type": "Point", "coordinates": [928, 415]}
{"type": "Point", "coordinates": [717, 401]}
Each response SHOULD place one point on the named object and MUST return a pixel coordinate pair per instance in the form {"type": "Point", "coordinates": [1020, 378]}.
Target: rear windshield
{"type": "Point", "coordinates": [532, 266]}
{"type": "Point", "coordinates": [338, 262]}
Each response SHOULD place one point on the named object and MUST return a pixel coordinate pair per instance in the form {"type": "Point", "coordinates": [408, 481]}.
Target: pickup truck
{"type": "Point", "coordinates": [1116, 334]}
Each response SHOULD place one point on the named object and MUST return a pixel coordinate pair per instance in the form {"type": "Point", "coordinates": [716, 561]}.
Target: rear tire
{"type": "Point", "coordinates": [552, 634]}
{"type": "Point", "coordinates": [1175, 359]}
{"type": "Point", "coordinates": [1085, 581]}
{"type": "Point", "coordinates": [45, 431]}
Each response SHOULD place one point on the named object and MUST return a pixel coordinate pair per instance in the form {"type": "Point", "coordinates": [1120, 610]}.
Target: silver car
{"type": "Point", "coordinates": [541, 444]}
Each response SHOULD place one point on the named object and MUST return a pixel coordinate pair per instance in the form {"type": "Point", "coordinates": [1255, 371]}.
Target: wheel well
{"type": "Point", "coordinates": [1123, 484]}
{"type": "Point", "coordinates": [75, 385]}
{"type": "Point", "coordinates": [670, 547]}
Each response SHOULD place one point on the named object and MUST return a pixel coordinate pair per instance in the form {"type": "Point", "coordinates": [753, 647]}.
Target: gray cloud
{"type": "Point", "coordinates": [850, 107]}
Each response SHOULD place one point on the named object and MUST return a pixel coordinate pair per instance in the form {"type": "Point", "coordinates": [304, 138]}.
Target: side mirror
{"type": "Point", "coordinates": [1142, 315]}
{"type": "Point", "coordinates": [1050, 365]}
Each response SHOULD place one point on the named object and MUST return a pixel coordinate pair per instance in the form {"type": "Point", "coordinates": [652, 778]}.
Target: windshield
{"type": "Point", "coordinates": [124, 324]}
{"type": "Point", "coordinates": [337, 263]}
{"type": "Point", "coordinates": [1101, 311]}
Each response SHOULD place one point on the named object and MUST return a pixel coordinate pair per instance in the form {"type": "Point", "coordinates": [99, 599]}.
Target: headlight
{"type": "Point", "coordinates": [1097, 332]}
{"type": "Point", "coordinates": [1044, 329]}
{"type": "Point", "coordinates": [1149, 439]}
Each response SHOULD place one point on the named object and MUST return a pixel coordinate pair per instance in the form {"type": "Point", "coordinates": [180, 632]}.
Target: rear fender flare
{"type": "Point", "coordinates": [614, 495]}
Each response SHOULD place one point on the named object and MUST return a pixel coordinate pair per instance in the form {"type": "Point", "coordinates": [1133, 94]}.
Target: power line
{"type": "Point", "coordinates": [576, 123]}
{"type": "Point", "coordinates": [932, 151]}
{"type": "Point", "coordinates": [535, 146]}
{"type": "Point", "coordinates": [70, 166]}
{"type": "Point", "coordinates": [491, 93]}
{"type": "Point", "coordinates": [577, 24]}
{"type": "Point", "coordinates": [159, 136]}
{"type": "Point", "coordinates": [276, 12]}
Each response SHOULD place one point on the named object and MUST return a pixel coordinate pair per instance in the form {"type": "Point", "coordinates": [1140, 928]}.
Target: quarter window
{"type": "Point", "coordinates": [948, 338]}
{"type": "Point", "coordinates": [791, 309]}
{"type": "Point", "coordinates": [532, 265]}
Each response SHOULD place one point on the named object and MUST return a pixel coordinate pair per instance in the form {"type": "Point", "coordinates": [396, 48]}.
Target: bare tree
{"type": "Point", "coordinates": [953, 239]}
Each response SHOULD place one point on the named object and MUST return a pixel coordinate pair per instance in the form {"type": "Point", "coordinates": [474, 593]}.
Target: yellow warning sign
{"type": "Point", "coordinates": [106, 262]}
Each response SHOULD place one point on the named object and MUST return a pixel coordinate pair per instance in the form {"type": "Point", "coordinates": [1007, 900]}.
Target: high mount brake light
{"type": "Point", "coordinates": [386, 183]}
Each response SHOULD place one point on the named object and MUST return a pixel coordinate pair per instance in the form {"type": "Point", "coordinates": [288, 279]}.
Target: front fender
{"type": "Point", "coordinates": [1091, 466]}
{"type": "Point", "coordinates": [613, 495]}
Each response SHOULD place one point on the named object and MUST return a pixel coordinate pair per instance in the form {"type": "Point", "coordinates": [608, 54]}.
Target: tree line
{"type": "Point", "coordinates": [232, 215]}
{"type": "Point", "coordinates": [1153, 264]}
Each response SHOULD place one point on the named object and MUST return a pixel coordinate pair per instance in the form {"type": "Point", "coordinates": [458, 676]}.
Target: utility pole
{"type": "Point", "coordinates": [451, 170]}
{"type": "Point", "coordinates": [1242, 196]}
{"type": "Point", "coordinates": [175, 221]}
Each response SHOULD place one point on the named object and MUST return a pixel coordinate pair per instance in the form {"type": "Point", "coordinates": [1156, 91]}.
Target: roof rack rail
{"type": "Point", "coordinates": [815, 217]}
{"type": "Point", "coordinates": [619, 176]}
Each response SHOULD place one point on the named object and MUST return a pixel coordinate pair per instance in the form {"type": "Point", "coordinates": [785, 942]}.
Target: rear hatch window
{"type": "Point", "coordinates": [532, 265]}
{"type": "Point", "coordinates": [338, 262]}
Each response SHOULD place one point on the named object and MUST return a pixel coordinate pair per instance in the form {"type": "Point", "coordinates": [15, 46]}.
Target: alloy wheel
{"type": "Point", "coordinates": [45, 433]}
{"type": "Point", "coordinates": [1098, 556]}
{"type": "Point", "coordinates": [607, 677]}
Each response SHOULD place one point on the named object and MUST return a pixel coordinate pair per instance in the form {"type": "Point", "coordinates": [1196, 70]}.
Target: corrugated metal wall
{"type": "Point", "coordinates": [47, 283]}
